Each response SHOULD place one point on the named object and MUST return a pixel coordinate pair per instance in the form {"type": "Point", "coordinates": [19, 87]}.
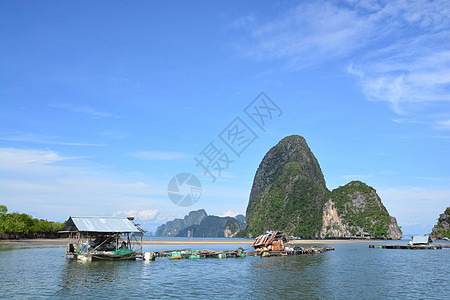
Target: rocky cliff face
{"type": "Point", "coordinates": [172, 228]}
{"type": "Point", "coordinates": [356, 211]}
{"type": "Point", "coordinates": [288, 191]}
{"type": "Point", "coordinates": [442, 229]}
{"type": "Point", "coordinates": [289, 194]}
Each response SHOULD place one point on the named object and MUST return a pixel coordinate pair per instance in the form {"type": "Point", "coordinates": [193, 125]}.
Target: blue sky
{"type": "Point", "coordinates": [103, 102]}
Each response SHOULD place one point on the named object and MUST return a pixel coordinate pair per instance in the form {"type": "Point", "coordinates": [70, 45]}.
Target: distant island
{"type": "Point", "coordinates": [289, 194]}
{"type": "Point", "coordinates": [23, 226]}
{"type": "Point", "coordinates": [441, 230]}
{"type": "Point", "coordinates": [200, 224]}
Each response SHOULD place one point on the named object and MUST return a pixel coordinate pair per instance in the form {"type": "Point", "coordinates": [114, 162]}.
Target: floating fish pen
{"type": "Point", "coordinates": [113, 238]}
{"type": "Point", "coordinates": [103, 238]}
{"type": "Point", "coordinates": [273, 243]}
{"type": "Point", "coordinates": [412, 247]}
{"type": "Point", "coordinates": [194, 254]}
{"type": "Point", "coordinates": [295, 251]}
{"type": "Point", "coordinates": [417, 243]}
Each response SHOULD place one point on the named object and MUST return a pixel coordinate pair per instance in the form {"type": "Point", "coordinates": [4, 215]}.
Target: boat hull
{"type": "Point", "coordinates": [106, 255]}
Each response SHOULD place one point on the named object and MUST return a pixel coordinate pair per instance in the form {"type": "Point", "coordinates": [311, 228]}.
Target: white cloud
{"type": "Point", "coordinates": [126, 213]}
{"type": "Point", "coordinates": [411, 68]}
{"type": "Point", "coordinates": [145, 215]}
{"type": "Point", "coordinates": [230, 213]}
{"type": "Point", "coordinates": [159, 155]}
{"type": "Point", "coordinates": [84, 109]}
{"type": "Point", "coordinates": [148, 214]}
{"type": "Point", "coordinates": [11, 156]}
{"type": "Point", "coordinates": [408, 81]}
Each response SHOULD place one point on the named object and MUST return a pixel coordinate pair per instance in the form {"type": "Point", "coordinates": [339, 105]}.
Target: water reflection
{"type": "Point", "coordinates": [352, 271]}
{"type": "Point", "coordinates": [93, 278]}
{"type": "Point", "coordinates": [287, 277]}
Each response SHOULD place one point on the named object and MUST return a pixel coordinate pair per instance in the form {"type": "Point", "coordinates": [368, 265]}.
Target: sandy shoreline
{"type": "Point", "coordinates": [177, 242]}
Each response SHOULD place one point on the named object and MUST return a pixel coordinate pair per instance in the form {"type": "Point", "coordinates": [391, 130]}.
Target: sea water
{"type": "Point", "coordinates": [352, 271]}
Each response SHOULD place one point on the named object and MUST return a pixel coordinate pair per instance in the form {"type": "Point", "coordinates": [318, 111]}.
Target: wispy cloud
{"type": "Point", "coordinates": [434, 178]}
{"type": "Point", "coordinates": [83, 109]}
{"type": "Point", "coordinates": [399, 49]}
{"type": "Point", "coordinates": [408, 81]}
{"type": "Point", "coordinates": [13, 156]}
{"type": "Point", "coordinates": [159, 155]}
{"type": "Point", "coordinates": [309, 34]}
{"type": "Point", "coordinates": [409, 121]}
{"type": "Point", "coordinates": [31, 138]}
{"type": "Point", "coordinates": [444, 124]}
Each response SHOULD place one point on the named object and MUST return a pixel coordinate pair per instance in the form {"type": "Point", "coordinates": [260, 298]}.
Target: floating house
{"type": "Point", "coordinates": [271, 241]}
{"type": "Point", "coordinates": [107, 238]}
{"type": "Point", "coordinates": [274, 243]}
{"type": "Point", "coordinates": [421, 240]}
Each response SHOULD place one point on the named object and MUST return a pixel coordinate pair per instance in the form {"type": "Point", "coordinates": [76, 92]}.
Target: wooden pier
{"type": "Point", "coordinates": [412, 247]}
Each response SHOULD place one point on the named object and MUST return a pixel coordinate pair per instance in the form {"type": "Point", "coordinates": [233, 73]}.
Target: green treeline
{"type": "Point", "coordinates": [24, 223]}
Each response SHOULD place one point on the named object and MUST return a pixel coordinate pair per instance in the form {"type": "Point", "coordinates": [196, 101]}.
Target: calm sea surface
{"type": "Point", "coordinates": [352, 271]}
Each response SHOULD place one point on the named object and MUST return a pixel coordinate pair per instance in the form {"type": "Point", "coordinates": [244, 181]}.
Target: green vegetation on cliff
{"type": "Point", "coordinates": [442, 228]}
{"type": "Point", "coordinates": [288, 191]}
{"type": "Point", "coordinates": [276, 207]}
{"type": "Point", "coordinates": [361, 209]}
{"type": "Point", "coordinates": [24, 223]}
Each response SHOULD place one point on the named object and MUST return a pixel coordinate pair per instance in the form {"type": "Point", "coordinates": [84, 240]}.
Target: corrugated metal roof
{"type": "Point", "coordinates": [264, 239]}
{"type": "Point", "coordinates": [100, 224]}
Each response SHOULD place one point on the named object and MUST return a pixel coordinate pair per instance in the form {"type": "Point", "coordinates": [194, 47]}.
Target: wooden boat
{"type": "Point", "coordinates": [107, 255]}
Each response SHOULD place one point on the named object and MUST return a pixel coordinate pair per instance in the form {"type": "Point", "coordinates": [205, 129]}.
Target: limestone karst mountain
{"type": "Point", "coordinates": [289, 194]}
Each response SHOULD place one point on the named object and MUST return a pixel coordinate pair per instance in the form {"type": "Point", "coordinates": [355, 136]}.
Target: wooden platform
{"type": "Point", "coordinates": [238, 253]}
{"type": "Point", "coordinates": [192, 254]}
{"type": "Point", "coordinates": [412, 247]}
{"type": "Point", "coordinates": [306, 250]}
